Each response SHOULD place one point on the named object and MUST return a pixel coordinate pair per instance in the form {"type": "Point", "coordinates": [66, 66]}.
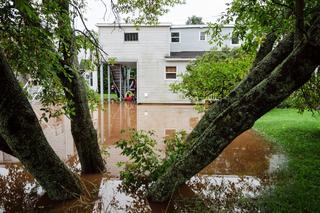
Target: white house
{"type": "Point", "coordinates": [154, 56]}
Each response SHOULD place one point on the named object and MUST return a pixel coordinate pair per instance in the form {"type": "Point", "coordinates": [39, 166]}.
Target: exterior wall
{"type": "Point", "coordinates": [149, 53]}
{"type": "Point", "coordinates": [95, 81]}
{"type": "Point", "coordinates": [160, 118]}
{"type": "Point", "coordinates": [190, 39]}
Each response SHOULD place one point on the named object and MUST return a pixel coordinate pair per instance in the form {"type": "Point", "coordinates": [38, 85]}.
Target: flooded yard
{"type": "Point", "coordinates": [243, 167]}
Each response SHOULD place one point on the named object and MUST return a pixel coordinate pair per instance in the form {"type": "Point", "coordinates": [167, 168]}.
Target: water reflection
{"type": "Point", "coordinates": [249, 155]}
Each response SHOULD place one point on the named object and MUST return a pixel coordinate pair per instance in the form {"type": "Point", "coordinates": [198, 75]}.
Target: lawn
{"type": "Point", "coordinates": [298, 135]}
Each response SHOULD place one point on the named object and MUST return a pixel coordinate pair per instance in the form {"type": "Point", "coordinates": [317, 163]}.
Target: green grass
{"type": "Point", "coordinates": [298, 135]}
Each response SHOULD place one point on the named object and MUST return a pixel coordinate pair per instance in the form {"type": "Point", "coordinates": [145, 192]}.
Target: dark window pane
{"type": "Point", "coordinates": [174, 34]}
{"type": "Point", "coordinates": [235, 40]}
{"type": "Point", "coordinates": [131, 37]}
{"type": "Point", "coordinates": [171, 75]}
{"type": "Point", "coordinates": [175, 40]}
{"type": "Point", "coordinates": [91, 79]}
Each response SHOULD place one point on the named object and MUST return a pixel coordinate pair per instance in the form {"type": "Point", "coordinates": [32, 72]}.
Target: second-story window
{"type": "Point", "coordinates": [131, 37]}
{"type": "Point", "coordinates": [202, 36]}
{"type": "Point", "coordinates": [175, 37]}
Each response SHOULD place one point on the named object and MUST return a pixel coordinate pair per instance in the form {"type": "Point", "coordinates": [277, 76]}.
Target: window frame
{"type": "Point", "coordinates": [165, 72]}
{"type": "Point", "coordinates": [124, 37]}
{"type": "Point", "coordinates": [175, 37]}
{"type": "Point", "coordinates": [205, 36]}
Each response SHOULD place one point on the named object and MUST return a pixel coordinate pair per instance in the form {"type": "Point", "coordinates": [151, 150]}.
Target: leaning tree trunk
{"type": "Point", "coordinates": [258, 72]}
{"type": "Point", "coordinates": [83, 131]}
{"type": "Point", "coordinates": [291, 74]}
{"type": "Point", "coordinates": [4, 146]}
{"type": "Point", "coordinates": [20, 129]}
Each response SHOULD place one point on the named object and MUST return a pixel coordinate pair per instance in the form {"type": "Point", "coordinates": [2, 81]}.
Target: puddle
{"type": "Point", "coordinates": [243, 165]}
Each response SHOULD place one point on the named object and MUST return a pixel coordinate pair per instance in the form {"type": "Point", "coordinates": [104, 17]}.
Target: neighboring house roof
{"type": "Point", "coordinates": [186, 54]}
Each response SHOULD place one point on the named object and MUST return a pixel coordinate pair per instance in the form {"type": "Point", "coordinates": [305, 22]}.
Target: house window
{"type": "Point", "coordinates": [131, 37]}
{"type": "Point", "coordinates": [202, 36]}
{"type": "Point", "coordinates": [169, 133]}
{"type": "Point", "coordinates": [175, 37]}
{"type": "Point", "coordinates": [91, 79]}
{"type": "Point", "coordinates": [171, 72]}
{"type": "Point", "coordinates": [193, 122]}
{"type": "Point", "coordinates": [234, 40]}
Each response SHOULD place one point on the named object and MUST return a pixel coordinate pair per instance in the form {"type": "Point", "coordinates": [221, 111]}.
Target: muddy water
{"type": "Point", "coordinates": [249, 157]}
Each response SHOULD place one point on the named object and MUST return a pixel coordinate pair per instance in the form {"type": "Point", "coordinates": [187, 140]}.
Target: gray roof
{"type": "Point", "coordinates": [186, 54]}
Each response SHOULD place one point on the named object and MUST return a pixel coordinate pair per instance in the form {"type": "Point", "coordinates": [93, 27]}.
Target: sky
{"type": "Point", "coordinates": [209, 10]}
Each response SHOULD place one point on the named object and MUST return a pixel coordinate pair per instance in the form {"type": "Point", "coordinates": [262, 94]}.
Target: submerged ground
{"type": "Point", "coordinates": [232, 182]}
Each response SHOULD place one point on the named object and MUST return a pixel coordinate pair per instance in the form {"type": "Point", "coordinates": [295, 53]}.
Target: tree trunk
{"type": "Point", "coordinates": [255, 76]}
{"type": "Point", "coordinates": [4, 146]}
{"type": "Point", "coordinates": [21, 130]}
{"type": "Point", "coordinates": [291, 74]}
{"type": "Point", "coordinates": [83, 132]}
{"type": "Point", "coordinates": [265, 48]}
{"type": "Point", "coordinates": [299, 24]}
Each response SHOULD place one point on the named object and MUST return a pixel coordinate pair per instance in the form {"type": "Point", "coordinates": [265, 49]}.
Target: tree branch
{"type": "Point", "coordinates": [93, 39]}
{"type": "Point", "coordinates": [299, 25]}
{"type": "Point", "coordinates": [265, 48]}
{"type": "Point", "coordinates": [94, 44]}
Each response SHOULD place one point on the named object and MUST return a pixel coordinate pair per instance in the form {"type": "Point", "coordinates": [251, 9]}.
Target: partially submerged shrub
{"type": "Point", "coordinates": [146, 164]}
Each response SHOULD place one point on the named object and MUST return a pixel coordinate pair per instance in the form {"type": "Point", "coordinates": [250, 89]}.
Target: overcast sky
{"type": "Point", "coordinates": [208, 9]}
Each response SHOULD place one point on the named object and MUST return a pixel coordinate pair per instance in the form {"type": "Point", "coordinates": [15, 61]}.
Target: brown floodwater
{"type": "Point", "coordinates": [244, 164]}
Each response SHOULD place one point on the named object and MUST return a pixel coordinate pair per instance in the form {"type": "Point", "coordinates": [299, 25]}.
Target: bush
{"type": "Point", "coordinates": [213, 75]}
{"type": "Point", "coordinates": [146, 163]}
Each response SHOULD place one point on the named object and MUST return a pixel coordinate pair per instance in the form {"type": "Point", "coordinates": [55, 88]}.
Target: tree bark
{"type": "Point", "coordinates": [291, 74]}
{"type": "Point", "coordinates": [4, 146]}
{"type": "Point", "coordinates": [265, 48]}
{"type": "Point", "coordinates": [83, 131]}
{"type": "Point", "coordinates": [21, 130]}
{"type": "Point", "coordinates": [299, 24]}
{"type": "Point", "coordinates": [257, 73]}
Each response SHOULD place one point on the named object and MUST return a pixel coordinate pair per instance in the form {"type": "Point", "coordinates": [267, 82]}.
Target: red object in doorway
{"type": "Point", "coordinates": [128, 98]}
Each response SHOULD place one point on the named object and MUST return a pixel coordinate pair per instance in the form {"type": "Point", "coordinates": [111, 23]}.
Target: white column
{"type": "Point", "coordinates": [120, 92]}
{"type": "Point", "coordinates": [101, 84]}
{"type": "Point", "coordinates": [109, 86]}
